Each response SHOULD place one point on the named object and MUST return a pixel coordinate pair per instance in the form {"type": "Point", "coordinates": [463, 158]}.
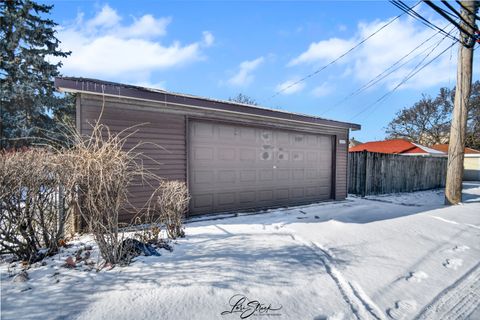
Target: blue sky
{"type": "Point", "coordinates": [219, 49]}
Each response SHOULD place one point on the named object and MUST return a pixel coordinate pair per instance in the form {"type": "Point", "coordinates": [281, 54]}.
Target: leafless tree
{"type": "Point", "coordinates": [428, 120]}
{"type": "Point", "coordinates": [242, 98]}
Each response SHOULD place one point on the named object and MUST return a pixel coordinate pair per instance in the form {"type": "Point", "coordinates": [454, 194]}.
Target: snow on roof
{"type": "Point", "coordinates": [429, 150]}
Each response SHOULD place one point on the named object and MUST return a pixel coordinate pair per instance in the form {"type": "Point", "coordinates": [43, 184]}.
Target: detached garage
{"type": "Point", "coordinates": [232, 156]}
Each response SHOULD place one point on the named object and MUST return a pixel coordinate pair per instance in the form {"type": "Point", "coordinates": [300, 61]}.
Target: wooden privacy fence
{"type": "Point", "coordinates": [379, 173]}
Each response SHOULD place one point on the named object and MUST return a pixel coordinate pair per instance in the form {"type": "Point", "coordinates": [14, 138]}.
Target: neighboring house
{"type": "Point", "coordinates": [397, 146]}
{"type": "Point", "coordinates": [352, 142]}
{"type": "Point", "coordinates": [233, 156]}
{"type": "Point", "coordinates": [471, 162]}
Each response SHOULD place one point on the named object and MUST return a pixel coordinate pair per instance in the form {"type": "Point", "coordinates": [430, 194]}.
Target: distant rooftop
{"type": "Point", "coordinates": [444, 148]}
{"type": "Point", "coordinates": [395, 146]}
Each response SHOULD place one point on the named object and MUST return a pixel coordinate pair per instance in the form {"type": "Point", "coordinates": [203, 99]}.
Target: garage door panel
{"type": "Point", "coordinates": [203, 177]}
{"type": "Point", "coordinates": [203, 153]}
{"type": "Point", "coordinates": [203, 202]}
{"type": "Point", "coordinates": [234, 167]}
{"type": "Point", "coordinates": [248, 176]}
{"type": "Point", "coordinates": [265, 195]}
{"type": "Point", "coordinates": [283, 174]}
{"type": "Point", "coordinates": [227, 176]}
{"type": "Point", "coordinates": [247, 154]}
{"type": "Point", "coordinates": [203, 129]}
{"type": "Point", "coordinates": [226, 198]}
{"type": "Point", "coordinates": [226, 154]}
{"type": "Point", "coordinates": [248, 134]}
{"type": "Point", "coordinates": [247, 197]}
{"type": "Point", "coordinates": [283, 138]}
{"type": "Point", "coordinates": [298, 192]}
{"type": "Point", "coordinates": [266, 175]}
{"type": "Point", "coordinates": [282, 194]}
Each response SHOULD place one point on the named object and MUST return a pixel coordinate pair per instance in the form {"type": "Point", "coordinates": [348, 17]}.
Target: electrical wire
{"type": "Point", "coordinates": [470, 36]}
{"type": "Point", "coordinates": [457, 14]}
{"type": "Point", "coordinates": [415, 71]}
{"type": "Point", "coordinates": [409, 10]}
{"type": "Point", "coordinates": [394, 67]}
{"type": "Point", "coordinates": [468, 10]}
{"type": "Point", "coordinates": [339, 57]}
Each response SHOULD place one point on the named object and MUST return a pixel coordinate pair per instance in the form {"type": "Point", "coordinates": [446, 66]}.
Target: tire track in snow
{"type": "Point", "coordinates": [455, 222]}
{"type": "Point", "coordinates": [457, 301]}
{"type": "Point", "coordinates": [360, 303]}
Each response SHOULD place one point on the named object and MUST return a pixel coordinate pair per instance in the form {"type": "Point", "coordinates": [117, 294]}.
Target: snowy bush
{"type": "Point", "coordinates": [33, 201]}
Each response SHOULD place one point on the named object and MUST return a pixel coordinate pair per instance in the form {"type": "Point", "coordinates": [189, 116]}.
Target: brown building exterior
{"type": "Point", "coordinates": [232, 156]}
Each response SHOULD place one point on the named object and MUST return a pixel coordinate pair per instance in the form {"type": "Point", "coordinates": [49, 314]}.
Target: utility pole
{"type": "Point", "coordinates": [456, 148]}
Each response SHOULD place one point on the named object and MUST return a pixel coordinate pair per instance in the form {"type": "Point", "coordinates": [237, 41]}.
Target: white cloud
{"type": "Point", "coordinates": [322, 50]}
{"type": "Point", "coordinates": [290, 86]}
{"type": "Point", "coordinates": [106, 18]}
{"type": "Point", "coordinates": [208, 38]}
{"type": "Point", "coordinates": [382, 51]}
{"type": "Point", "coordinates": [156, 85]}
{"type": "Point", "coordinates": [146, 26]}
{"type": "Point", "coordinates": [105, 47]}
{"type": "Point", "coordinates": [244, 75]}
{"type": "Point", "coordinates": [323, 90]}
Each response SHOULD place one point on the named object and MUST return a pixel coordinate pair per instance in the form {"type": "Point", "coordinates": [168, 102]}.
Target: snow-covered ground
{"type": "Point", "coordinates": [386, 257]}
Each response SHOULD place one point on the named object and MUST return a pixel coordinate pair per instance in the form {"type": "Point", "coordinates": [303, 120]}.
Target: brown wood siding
{"type": "Point", "coordinates": [161, 135]}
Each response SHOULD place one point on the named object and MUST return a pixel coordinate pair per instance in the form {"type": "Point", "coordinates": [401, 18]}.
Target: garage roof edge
{"type": "Point", "coordinates": [94, 86]}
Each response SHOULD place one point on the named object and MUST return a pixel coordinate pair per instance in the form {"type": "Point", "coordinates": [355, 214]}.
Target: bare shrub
{"type": "Point", "coordinates": [95, 173]}
{"type": "Point", "coordinates": [172, 201]}
{"type": "Point", "coordinates": [33, 203]}
{"type": "Point", "coordinates": [103, 172]}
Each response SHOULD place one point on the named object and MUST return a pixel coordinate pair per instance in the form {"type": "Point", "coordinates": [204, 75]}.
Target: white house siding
{"type": "Point", "coordinates": [471, 166]}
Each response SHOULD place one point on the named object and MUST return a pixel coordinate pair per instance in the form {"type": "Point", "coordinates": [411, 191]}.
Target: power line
{"type": "Point", "coordinates": [408, 77]}
{"type": "Point", "coordinates": [394, 67]}
{"type": "Point", "coordinates": [457, 14]}
{"type": "Point", "coordinates": [451, 14]}
{"type": "Point", "coordinates": [340, 57]}
{"type": "Point", "coordinates": [415, 71]}
{"type": "Point", "coordinates": [459, 27]}
{"type": "Point", "coordinates": [468, 10]}
{"type": "Point", "coordinates": [409, 10]}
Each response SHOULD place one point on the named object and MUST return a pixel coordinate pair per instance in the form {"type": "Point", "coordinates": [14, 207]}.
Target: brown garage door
{"type": "Point", "coordinates": [235, 167]}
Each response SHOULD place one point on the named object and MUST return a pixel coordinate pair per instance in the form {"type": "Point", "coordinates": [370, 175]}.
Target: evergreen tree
{"type": "Point", "coordinates": [30, 108]}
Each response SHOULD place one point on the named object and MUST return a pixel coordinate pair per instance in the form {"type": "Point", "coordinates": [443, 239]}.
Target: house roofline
{"type": "Point", "coordinates": [100, 87]}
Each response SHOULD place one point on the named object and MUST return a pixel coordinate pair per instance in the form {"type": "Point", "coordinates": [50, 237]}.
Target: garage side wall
{"type": "Point", "coordinates": [162, 136]}
{"type": "Point", "coordinates": [341, 165]}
